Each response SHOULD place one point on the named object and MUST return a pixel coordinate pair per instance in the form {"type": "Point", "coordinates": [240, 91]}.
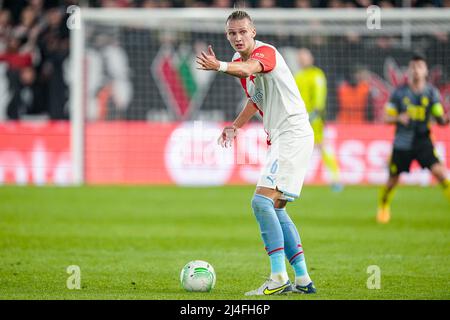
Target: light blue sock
{"type": "Point", "coordinates": [271, 233]}
{"type": "Point", "coordinates": [293, 245]}
{"type": "Point", "coordinates": [277, 263]}
{"type": "Point", "coordinates": [300, 268]}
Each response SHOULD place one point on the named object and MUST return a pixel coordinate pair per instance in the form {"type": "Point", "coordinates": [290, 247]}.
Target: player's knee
{"type": "Point", "coordinates": [283, 217]}
{"type": "Point", "coordinates": [439, 172]}
{"type": "Point", "coordinates": [280, 204]}
{"type": "Point", "coordinates": [393, 180]}
{"type": "Point", "coordinates": [261, 203]}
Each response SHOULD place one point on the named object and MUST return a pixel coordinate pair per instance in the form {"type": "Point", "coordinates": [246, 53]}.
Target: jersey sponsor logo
{"type": "Point", "coordinates": [259, 55]}
{"type": "Point", "coordinates": [416, 112]}
{"type": "Point", "coordinates": [258, 96]}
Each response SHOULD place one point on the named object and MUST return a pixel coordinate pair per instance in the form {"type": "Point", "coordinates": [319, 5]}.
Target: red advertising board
{"type": "Point", "coordinates": [187, 154]}
{"type": "Point", "coordinates": [35, 153]}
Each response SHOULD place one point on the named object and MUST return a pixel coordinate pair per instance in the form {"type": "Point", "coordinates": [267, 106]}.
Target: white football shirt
{"type": "Point", "coordinates": [275, 94]}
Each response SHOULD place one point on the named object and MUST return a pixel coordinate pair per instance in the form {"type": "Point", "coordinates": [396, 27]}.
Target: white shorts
{"type": "Point", "coordinates": [286, 163]}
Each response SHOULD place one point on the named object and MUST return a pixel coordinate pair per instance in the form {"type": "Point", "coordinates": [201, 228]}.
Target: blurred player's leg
{"type": "Point", "coordinates": [294, 252]}
{"type": "Point", "coordinates": [440, 173]}
{"type": "Point", "coordinates": [428, 158]}
{"type": "Point", "coordinates": [328, 157]}
{"type": "Point", "coordinates": [332, 165]}
{"type": "Point", "coordinates": [400, 162]}
{"type": "Point", "coordinates": [446, 186]}
{"type": "Point", "coordinates": [385, 199]}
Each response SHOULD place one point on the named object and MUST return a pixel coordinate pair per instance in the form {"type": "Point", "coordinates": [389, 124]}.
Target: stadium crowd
{"type": "Point", "coordinates": [269, 3]}
{"type": "Point", "coordinates": [34, 45]}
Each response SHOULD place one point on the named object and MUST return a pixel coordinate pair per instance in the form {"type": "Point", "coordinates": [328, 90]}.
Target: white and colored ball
{"type": "Point", "coordinates": [198, 276]}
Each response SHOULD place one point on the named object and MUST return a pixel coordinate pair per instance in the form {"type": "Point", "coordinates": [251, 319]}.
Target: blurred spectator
{"type": "Point", "coordinates": [165, 4]}
{"type": "Point", "coordinates": [53, 43]}
{"type": "Point", "coordinates": [195, 4]}
{"type": "Point", "coordinates": [336, 4]}
{"type": "Point", "coordinates": [24, 94]}
{"type": "Point", "coordinates": [20, 76]}
{"type": "Point", "coordinates": [385, 43]}
{"type": "Point", "coordinates": [353, 97]}
{"type": "Point", "coordinates": [5, 28]}
{"type": "Point", "coordinates": [157, 4]}
{"type": "Point", "coordinates": [364, 3]}
{"type": "Point", "coordinates": [304, 4]}
{"type": "Point", "coordinates": [267, 4]}
{"type": "Point", "coordinates": [116, 3]}
{"type": "Point", "coordinates": [38, 7]}
{"type": "Point", "coordinates": [425, 3]}
{"type": "Point", "coordinates": [14, 58]}
{"type": "Point", "coordinates": [27, 22]}
{"type": "Point", "coordinates": [34, 50]}
{"type": "Point", "coordinates": [350, 4]}
{"type": "Point", "coordinates": [150, 4]}
{"type": "Point", "coordinates": [222, 4]}
{"type": "Point", "coordinates": [386, 4]}
{"type": "Point", "coordinates": [15, 8]}
{"type": "Point", "coordinates": [110, 90]}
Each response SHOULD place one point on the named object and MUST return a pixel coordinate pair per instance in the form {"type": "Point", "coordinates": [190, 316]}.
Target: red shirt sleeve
{"type": "Point", "coordinates": [266, 56]}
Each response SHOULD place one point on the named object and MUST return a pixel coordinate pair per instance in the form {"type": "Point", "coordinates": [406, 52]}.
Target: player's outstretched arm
{"type": "Point", "coordinates": [241, 69]}
{"type": "Point", "coordinates": [230, 132]}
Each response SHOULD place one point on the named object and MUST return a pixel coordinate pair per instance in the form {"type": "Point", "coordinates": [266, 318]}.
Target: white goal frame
{"type": "Point", "coordinates": [398, 21]}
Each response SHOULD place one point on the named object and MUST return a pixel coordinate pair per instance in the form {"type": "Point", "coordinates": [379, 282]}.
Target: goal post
{"type": "Point", "coordinates": [76, 102]}
{"type": "Point", "coordinates": [131, 67]}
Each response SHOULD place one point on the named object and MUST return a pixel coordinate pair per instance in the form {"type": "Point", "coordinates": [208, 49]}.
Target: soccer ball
{"type": "Point", "coordinates": [198, 276]}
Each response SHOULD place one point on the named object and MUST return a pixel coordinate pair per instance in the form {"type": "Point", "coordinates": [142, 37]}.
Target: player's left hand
{"type": "Point", "coordinates": [227, 136]}
{"type": "Point", "coordinates": [208, 61]}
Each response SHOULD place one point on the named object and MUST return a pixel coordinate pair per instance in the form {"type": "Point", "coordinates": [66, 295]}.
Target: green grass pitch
{"type": "Point", "coordinates": [131, 242]}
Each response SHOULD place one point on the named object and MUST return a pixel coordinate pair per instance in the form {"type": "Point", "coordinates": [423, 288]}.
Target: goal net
{"type": "Point", "coordinates": [143, 113]}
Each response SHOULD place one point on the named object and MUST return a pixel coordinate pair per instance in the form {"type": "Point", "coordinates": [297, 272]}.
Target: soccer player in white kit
{"type": "Point", "coordinates": [271, 91]}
